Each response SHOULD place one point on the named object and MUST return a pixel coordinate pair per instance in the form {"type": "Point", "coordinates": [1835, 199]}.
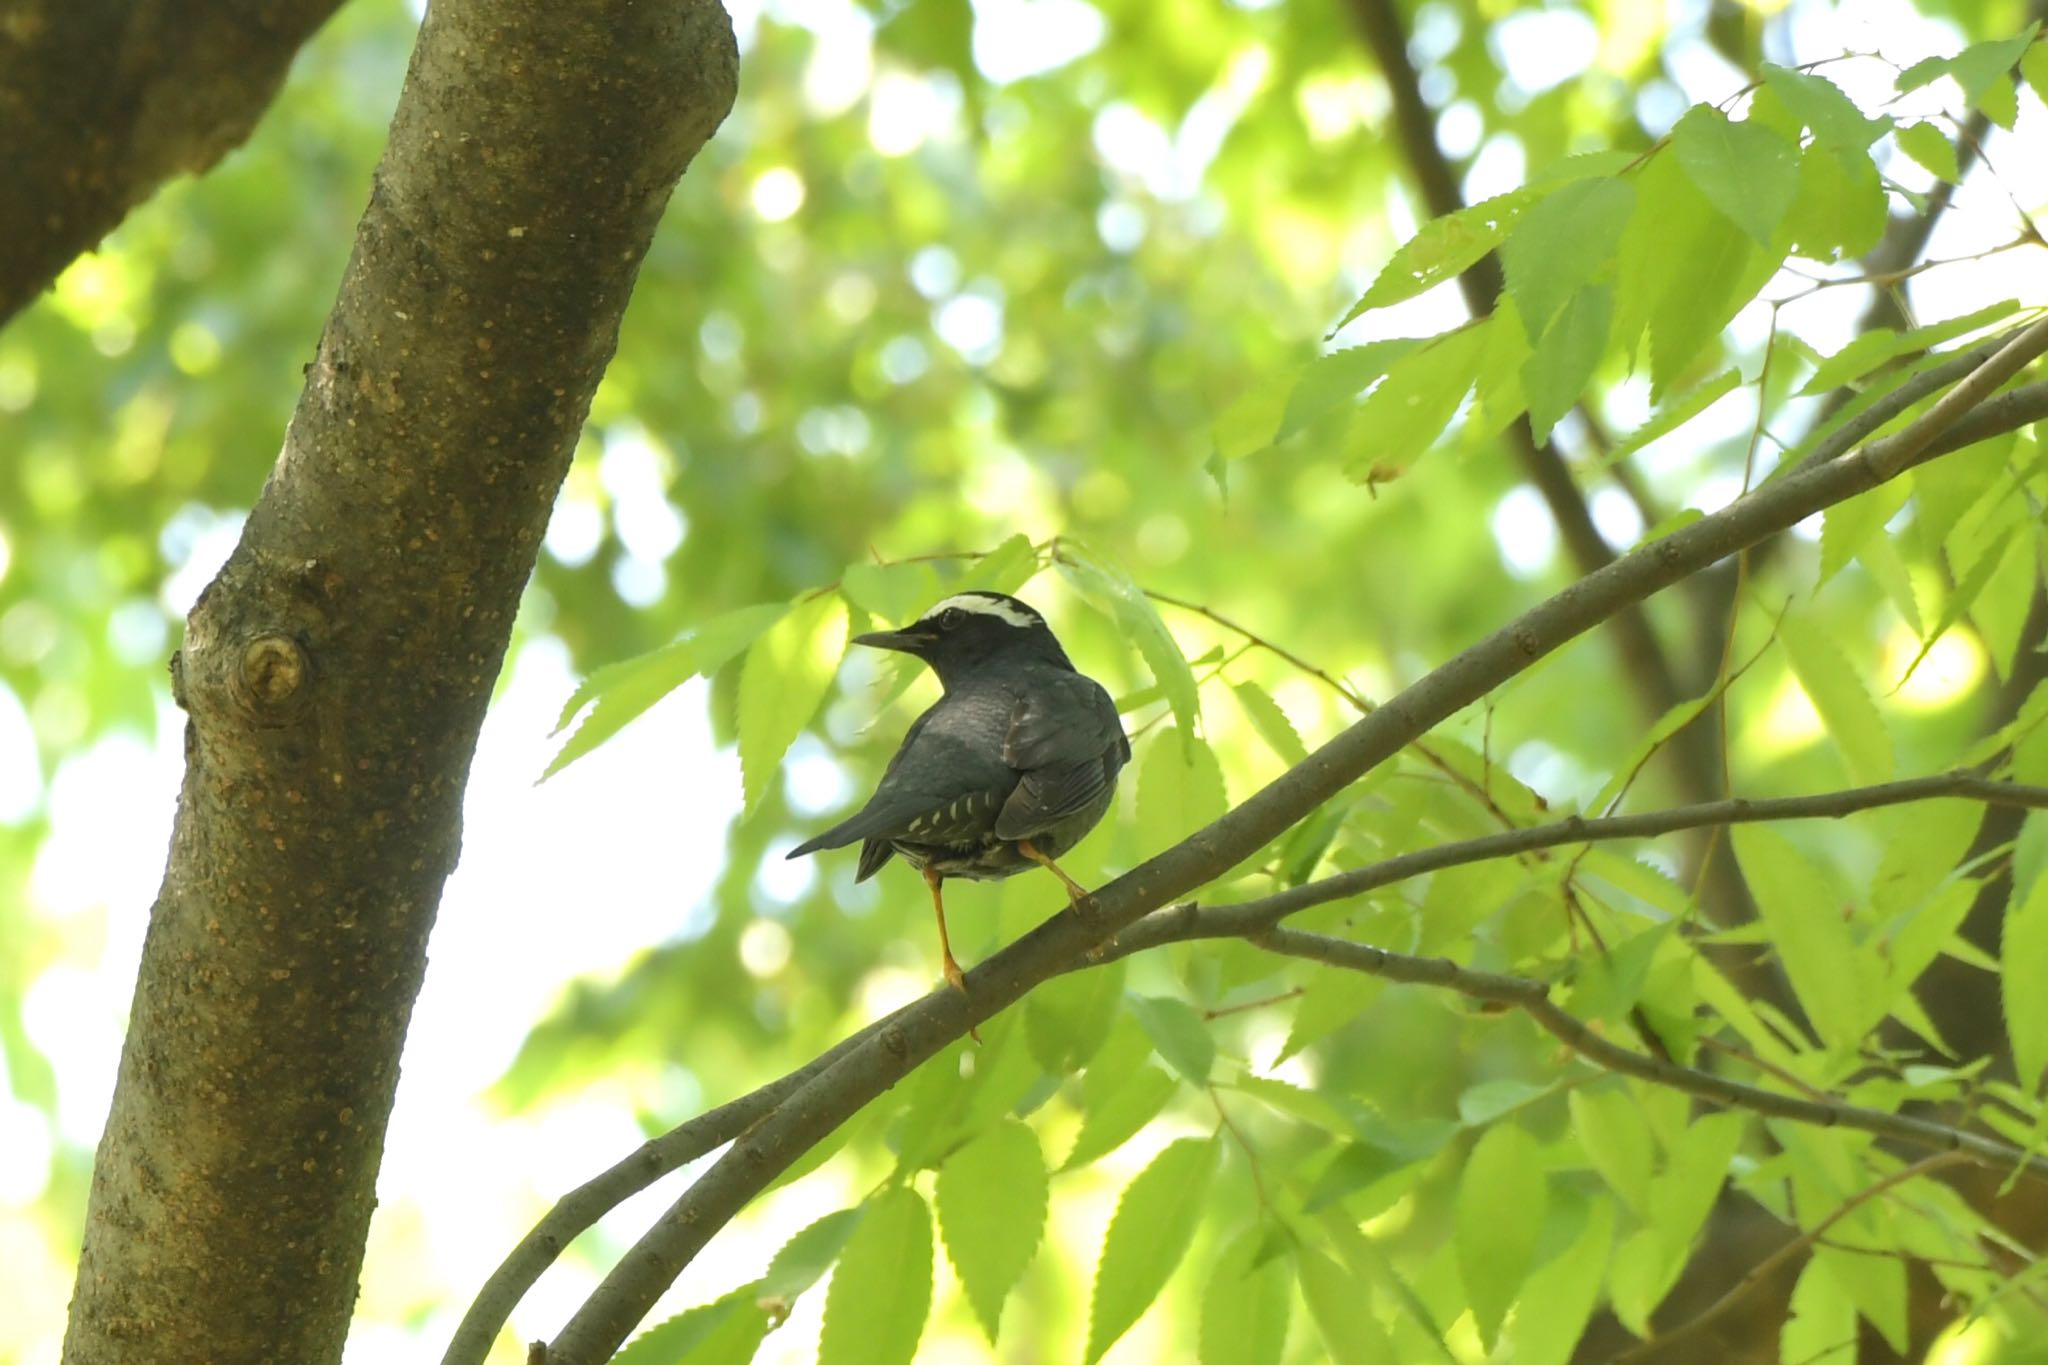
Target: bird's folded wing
{"type": "Point", "coordinates": [1068, 743]}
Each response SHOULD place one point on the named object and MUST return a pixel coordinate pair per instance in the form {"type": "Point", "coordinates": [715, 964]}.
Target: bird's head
{"type": "Point", "coordinates": [971, 631]}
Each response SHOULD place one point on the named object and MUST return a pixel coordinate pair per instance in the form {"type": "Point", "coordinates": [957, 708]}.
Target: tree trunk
{"type": "Point", "coordinates": [335, 674]}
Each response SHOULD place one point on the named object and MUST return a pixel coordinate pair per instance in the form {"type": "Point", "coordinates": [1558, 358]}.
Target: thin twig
{"type": "Point", "coordinates": [1661, 1342]}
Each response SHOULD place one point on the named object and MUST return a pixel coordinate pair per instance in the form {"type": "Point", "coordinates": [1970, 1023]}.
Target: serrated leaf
{"type": "Point", "coordinates": [1502, 1199]}
{"type": "Point", "coordinates": [1111, 1118]}
{"type": "Point", "coordinates": [1481, 1104]}
{"type": "Point", "coordinates": [1410, 409]}
{"type": "Point", "coordinates": [1976, 68]}
{"type": "Point", "coordinates": [1067, 1019]}
{"type": "Point", "coordinates": [1443, 249]}
{"type": "Point", "coordinates": [1684, 1192]}
{"type": "Point", "coordinates": [1125, 602]}
{"type": "Point", "coordinates": [1554, 1310]}
{"type": "Point", "coordinates": [2023, 966]}
{"type": "Point", "coordinates": [2034, 69]}
{"type": "Point", "coordinates": [1562, 244]}
{"type": "Point", "coordinates": [1745, 170]}
{"type": "Point", "coordinates": [620, 692]}
{"type": "Point", "coordinates": [1823, 1317]}
{"type": "Point", "coordinates": [1180, 789]}
{"type": "Point", "coordinates": [724, 1332]}
{"type": "Point", "coordinates": [1688, 308]}
{"type": "Point", "coordinates": [1557, 371]}
{"type": "Point", "coordinates": [1270, 721]}
{"type": "Point", "coordinates": [1330, 999]}
{"type": "Point", "coordinates": [1820, 104]}
{"type": "Point", "coordinates": [1844, 704]}
{"type": "Point", "coordinates": [1874, 348]}
{"type": "Point", "coordinates": [1804, 917]}
{"type": "Point", "coordinates": [1658, 735]}
{"type": "Point", "coordinates": [1341, 1307]}
{"type": "Point", "coordinates": [879, 1296]}
{"type": "Point", "coordinates": [1178, 1034]}
{"type": "Point", "coordinates": [806, 1257]}
{"type": "Point", "coordinates": [892, 593]}
{"type": "Point", "coordinates": [1250, 423]}
{"type": "Point", "coordinates": [785, 677]}
{"type": "Point", "coordinates": [1006, 568]}
{"type": "Point", "coordinates": [1963, 598]}
{"type": "Point", "coordinates": [1611, 1130]}
{"type": "Point", "coordinates": [1673, 414]}
{"type": "Point", "coordinates": [1338, 378]}
{"type": "Point", "coordinates": [1150, 1232]}
{"type": "Point", "coordinates": [1851, 524]}
{"type": "Point", "coordinates": [1840, 210]}
{"type": "Point", "coordinates": [1246, 1304]}
{"type": "Point", "coordinates": [1929, 146]}
{"type": "Point", "coordinates": [992, 1201]}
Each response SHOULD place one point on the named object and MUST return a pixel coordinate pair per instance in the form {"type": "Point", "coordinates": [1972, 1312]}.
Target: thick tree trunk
{"type": "Point", "coordinates": [101, 101]}
{"type": "Point", "coordinates": [336, 673]}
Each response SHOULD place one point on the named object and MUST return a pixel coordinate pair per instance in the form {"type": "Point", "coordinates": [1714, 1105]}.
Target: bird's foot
{"type": "Point", "coordinates": [955, 978]}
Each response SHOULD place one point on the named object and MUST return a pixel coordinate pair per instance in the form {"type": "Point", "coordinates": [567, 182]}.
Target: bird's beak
{"type": "Point", "coordinates": [902, 641]}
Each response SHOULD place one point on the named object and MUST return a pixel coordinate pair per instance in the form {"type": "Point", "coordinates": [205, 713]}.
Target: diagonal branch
{"type": "Point", "coordinates": [1532, 997]}
{"type": "Point", "coordinates": [104, 100]}
{"type": "Point", "coordinates": [888, 1053]}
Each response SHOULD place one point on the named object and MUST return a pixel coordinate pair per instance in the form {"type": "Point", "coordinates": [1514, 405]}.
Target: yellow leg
{"type": "Point", "coordinates": [1076, 893]}
{"type": "Point", "coordinates": [954, 975]}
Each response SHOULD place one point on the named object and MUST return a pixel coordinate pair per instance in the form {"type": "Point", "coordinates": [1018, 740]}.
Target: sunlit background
{"type": "Point", "coordinates": [120, 391]}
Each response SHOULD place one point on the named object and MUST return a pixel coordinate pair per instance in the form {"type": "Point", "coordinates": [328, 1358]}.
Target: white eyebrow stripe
{"type": "Point", "coordinates": [986, 606]}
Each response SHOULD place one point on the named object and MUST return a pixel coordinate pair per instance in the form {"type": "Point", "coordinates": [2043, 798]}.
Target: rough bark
{"type": "Point", "coordinates": [101, 101]}
{"type": "Point", "coordinates": [336, 673]}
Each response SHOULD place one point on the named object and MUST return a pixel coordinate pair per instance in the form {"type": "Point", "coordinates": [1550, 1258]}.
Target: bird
{"type": "Point", "coordinates": [1011, 767]}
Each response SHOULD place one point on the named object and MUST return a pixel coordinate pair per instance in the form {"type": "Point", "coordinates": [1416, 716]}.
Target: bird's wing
{"type": "Point", "coordinates": [1068, 743]}
{"type": "Point", "coordinates": [942, 787]}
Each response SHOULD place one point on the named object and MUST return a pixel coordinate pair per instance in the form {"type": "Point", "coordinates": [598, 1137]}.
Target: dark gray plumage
{"type": "Point", "coordinates": [1012, 766]}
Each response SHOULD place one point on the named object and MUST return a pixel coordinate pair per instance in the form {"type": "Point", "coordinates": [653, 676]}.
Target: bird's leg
{"type": "Point", "coordinates": [1083, 903]}
{"type": "Point", "coordinates": [954, 975]}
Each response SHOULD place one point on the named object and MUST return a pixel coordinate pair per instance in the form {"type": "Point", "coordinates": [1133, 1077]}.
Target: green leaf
{"type": "Point", "coordinates": [1840, 210]}
{"type": "Point", "coordinates": [1125, 602]}
{"type": "Point", "coordinates": [893, 593]}
{"type": "Point", "coordinates": [1928, 145]}
{"type": "Point", "coordinates": [1557, 371]}
{"type": "Point", "coordinates": [1685, 309]}
{"type": "Point", "coordinates": [1006, 568]}
{"type": "Point", "coordinates": [1673, 414]}
{"type": "Point", "coordinates": [1848, 526]}
{"type": "Point", "coordinates": [1803, 916]}
{"type": "Point", "coordinates": [1250, 423]}
{"type": "Point", "coordinates": [1820, 104]}
{"type": "Point", "coordinates": [2034, 69]}
{"type": "Point", "coordinates": [1177, 1033]}
{"type": "Point", "coordinates": [1875, 347]}
{"type": "Point", "coordinates": [785, 677]}
{"type": "Point", "coordinates": [2022, 968]}
{"type": "Point", "coordinates": [1341, 1308]}
{"type": "Point", "coordinates": [725, 1332]}
{"type": "Point", "coordinates": [1443, 249]}
{"type": "Point", "coordinates": [992, 1200]}
{"type": "Point", "coordinates": [806, 1257]}
{"type": "Point", "coordinates": [1977, 68]}
{"type": "Point", "coordinates": [1563, 244]}
{"type": "Point", "coordinates": [1611, 1129]}
{"type": "Point", "coordinates": [1067, 1019]}
{"type": "Point", "coordinates": [1502, 1198]}
{"type": "Point", "coordinates": [1270, 721]}
{"type": "Point", "coordinates": [1150, 1232]}
{"type": "Point", "coordinates": [1823, 1317]}
{"type": "Point", "coordinates": [1745, 170]}
{"type": "Point", "coordinates": [1110, 1118]}
{"type": "Point", "coordinates": [1963, 598]}
{"type": "Point", "coordinates": [1246, 1305]}
{"type": "Point", "coordinates": [1333, 380]}
{"type": "Point", "coordinates": [879, 1296]}
{"type": "Point", "coordinates": [1330, 999]}
{"type": "Point", "coordinates": [619, 692]}
{"type": "Point", "coordinates": [1410, 409]}
{"type": "Point", "coordinates": [1180, 789]}
{"type": "Point", "coordinates": [1554, 1310]}
{"type": "Point", "coordinates": [1841, 699]}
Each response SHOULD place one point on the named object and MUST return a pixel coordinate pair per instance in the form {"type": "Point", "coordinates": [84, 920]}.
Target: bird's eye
{"type": "Point", "coordinates": [951, 617]}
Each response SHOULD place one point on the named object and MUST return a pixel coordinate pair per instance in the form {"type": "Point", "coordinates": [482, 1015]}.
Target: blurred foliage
{"type": "Point", "coordinates": [914, 303]}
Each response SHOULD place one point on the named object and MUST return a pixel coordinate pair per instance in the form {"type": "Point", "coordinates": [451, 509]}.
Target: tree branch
{"type": "Point", "coordinates": [1266, 912]}
{"type": "Point", "coordinates": [891, 1051]}
{"type": "Point", "coordinates": [1532, 997]}
{"type": "Point", "coordinates": [337, 671]}
{"type": "Point", "coordinates": [1654, 1345]}
{"type": "Point", "coordinates": [104, 100]}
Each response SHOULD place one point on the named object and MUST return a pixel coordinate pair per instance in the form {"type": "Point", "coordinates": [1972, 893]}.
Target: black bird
{"type": "Point", "coordinates": [1012, 766]}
